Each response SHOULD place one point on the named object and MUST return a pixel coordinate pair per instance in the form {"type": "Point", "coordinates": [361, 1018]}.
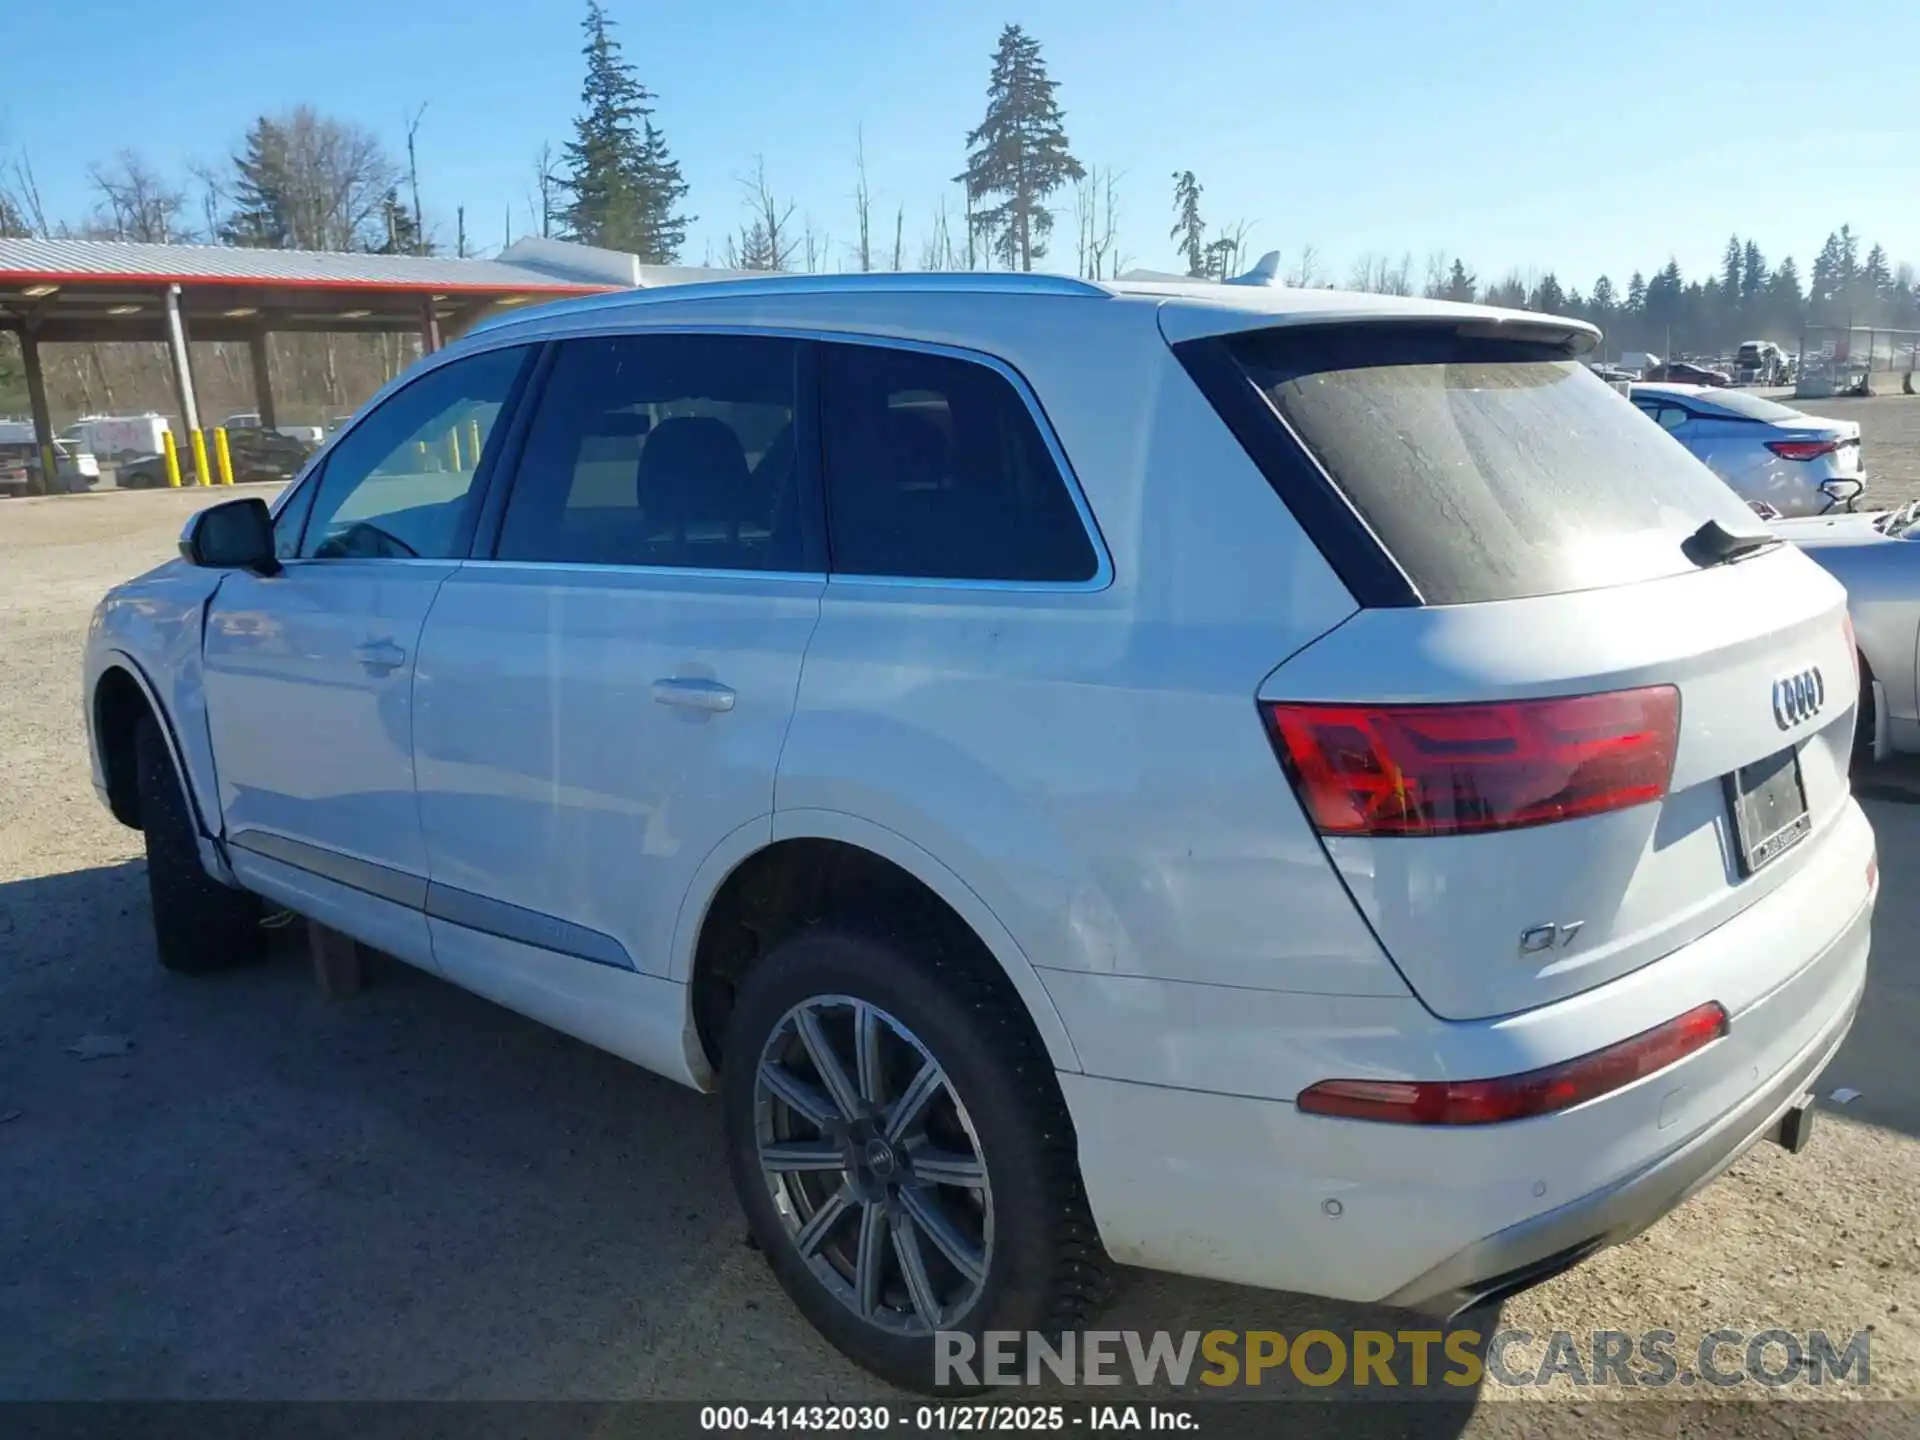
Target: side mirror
{"type": "Point", "coordinates": [233, 535]}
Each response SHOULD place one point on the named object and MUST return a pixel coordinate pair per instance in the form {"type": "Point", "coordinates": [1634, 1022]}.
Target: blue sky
{"type": "Point", "coordinates": [1578, 137]}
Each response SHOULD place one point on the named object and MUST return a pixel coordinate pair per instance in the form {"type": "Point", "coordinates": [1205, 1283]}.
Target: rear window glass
{"type": "Point", "coordinates": [1747, 407]}
{"type": "Point", "coordinates": [1489, 469]}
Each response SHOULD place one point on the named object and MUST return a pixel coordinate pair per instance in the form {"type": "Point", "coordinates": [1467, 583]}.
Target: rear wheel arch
{"type": "Point", "coordinates": [798, 880]}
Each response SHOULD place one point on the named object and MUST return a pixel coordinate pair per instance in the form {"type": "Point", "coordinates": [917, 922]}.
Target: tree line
{"type": "Point", "coordinates": [305, 180]}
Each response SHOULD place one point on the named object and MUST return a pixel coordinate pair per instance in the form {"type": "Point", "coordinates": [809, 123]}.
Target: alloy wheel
{"type": "Point", "coordinates": [874, 1165]}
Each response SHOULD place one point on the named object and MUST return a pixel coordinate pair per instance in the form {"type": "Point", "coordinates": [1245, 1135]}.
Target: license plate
{"type": "Point", "coordinates": [1769, 803]}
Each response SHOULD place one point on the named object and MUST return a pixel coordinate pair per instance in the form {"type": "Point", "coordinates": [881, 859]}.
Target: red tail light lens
{"type": "Point", "coordinates": [1802, 449]}
{"type": "Point", "coordinates": [1514, 1097]}
{"type": "Point", "coordinates": [1461, 769]}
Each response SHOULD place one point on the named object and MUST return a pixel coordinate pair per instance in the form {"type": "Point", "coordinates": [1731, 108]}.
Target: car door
{"type": "Point", "coordinates": [309, 672]}
{"type": "Point", "coordinates": [602, 698]}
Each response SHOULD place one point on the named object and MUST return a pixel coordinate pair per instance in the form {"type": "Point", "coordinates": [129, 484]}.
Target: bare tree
{"type": "Point", "coordinates": [413, 173]}
{"type": "Point", "coordinates": [543, 198]}
{"type": "Point", "coordinates": [815, 247]}
{"type": "Point", "coordinates": [1306, 270]}
{"type": "Point", "coordinates": [1096, 212]}
{"type": "Point", "coordinates": [862, 205]}
{"type": "Point", "coordinates": [766, 241]}
{"type": "Point", "coordinates": [1227, 252]}
{"type": "Point", "coordinates": [936, 252]}
{"type": "Point", "coordinates": [900, 238]}
{"type": "Point", "coordinates": [20, 191]}
{"type": "Point", "coordinates": [1438, 275]}
{"type": "Point", "coordinates": [137, 202]}
{"type": "Point", "coordinates": [309, 182]}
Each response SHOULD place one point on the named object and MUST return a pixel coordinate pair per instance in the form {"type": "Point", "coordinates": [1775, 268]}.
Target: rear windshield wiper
{"type": "Point", "coordinates": [1714, 544]}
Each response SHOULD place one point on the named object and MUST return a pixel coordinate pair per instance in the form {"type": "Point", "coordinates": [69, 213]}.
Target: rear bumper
{"type": "Point", "coordinates": [1236, 1187]}
{"type": "Point", "coordinates": [1534, 1249]}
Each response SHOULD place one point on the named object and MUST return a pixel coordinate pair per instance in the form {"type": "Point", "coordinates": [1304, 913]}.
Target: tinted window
{"type": "Point", "coordinates": [1751, 407]}
{"type": "Point", "coordinates": [935, 468]}
{"type": "Point", "coordinates": [662, 450]}
{"type": "Point", "coordinates": [400, 483]}
{"type": "Point", "coordinates": [1489, 469]}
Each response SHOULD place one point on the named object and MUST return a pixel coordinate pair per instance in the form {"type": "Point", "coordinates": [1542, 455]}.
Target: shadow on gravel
{"type": "Point", "coordinates": [231, 1187]}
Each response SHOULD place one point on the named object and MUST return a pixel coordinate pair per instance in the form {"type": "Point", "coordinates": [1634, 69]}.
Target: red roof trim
{"type": "Point", "coordinates": [91, 277]}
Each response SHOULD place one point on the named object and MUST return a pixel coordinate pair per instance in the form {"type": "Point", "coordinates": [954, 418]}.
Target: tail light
{"type": "Point", "coordinates": [1463, 769]}
{"type": "Point", "coordinates": [1802, 449]}
{"type": "Point", "coordinates": [1514, 1097]}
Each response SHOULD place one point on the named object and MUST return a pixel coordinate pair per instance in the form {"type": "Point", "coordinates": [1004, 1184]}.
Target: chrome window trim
{"type": "Point", "coordinates": [597, 567]}
{"type": "Point", "coordinates": [1102, 577]}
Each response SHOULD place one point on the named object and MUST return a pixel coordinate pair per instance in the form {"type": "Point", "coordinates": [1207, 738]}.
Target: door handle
{"type": "Point", "coordinates": [380, 656]}
{"type": "Point", "coordinates": [691, 693]}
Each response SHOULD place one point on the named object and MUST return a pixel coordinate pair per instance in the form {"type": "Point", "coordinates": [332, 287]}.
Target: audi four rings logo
{"type": "Point", "coordinates": [1798, 697]}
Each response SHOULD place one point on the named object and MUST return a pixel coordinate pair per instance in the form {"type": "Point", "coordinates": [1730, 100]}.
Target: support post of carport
{"type": "Point", "coordinates": [183, 381]}
{"type": "Point", "coordinates": [429, 327]}
{"type": "Point", "coordinates": [37, 403]}
{"type": "Point", "coordinates": [262, 381]}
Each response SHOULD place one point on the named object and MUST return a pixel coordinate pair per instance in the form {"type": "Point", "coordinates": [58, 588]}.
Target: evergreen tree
{"type": "Point", "coordinates": [1548, 297]}
{"type": "Point", "coordinates": [1601, 303]}
{"type": "Point", "coordinates": [262, 180]}
{"type": "Point", "coordinates": [1019, 153]}
{"type": "Point", "coordinates": [1188, 228]}
{"type": "Point", "coordinates": [402, 236]}
{"type": "Point", "coordinates": [1462, 284]}
{"type": "Point", "coordinates": [13, 225]}
{"type": "Point", "coordinates": [1731, 264]}
{"type": "Point", "coordinates": [1753, 277]}
{"type": "Point", "coordinates": [1876, 275]}
{"type": "Point", "coordinates": [1636, 293]}
{"type": "Point", "coordinates": [625, 187]}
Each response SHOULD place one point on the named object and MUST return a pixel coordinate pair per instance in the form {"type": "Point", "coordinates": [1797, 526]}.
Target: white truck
{"type": "Point", "coordinates": [111, 435]}
{"type": "Point", "coordinates": [1640, 362]}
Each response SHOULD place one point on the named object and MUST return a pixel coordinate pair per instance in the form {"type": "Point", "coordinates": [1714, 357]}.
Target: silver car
{"type": "Point", "coordinates": [1798, 464]}
{"type": "Point", "coordinates": [1877, 557]}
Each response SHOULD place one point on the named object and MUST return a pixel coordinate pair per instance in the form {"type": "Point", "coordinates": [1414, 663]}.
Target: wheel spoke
{"type": "Point", "coordinates": [810, 1102]}
{"type": "Point", "coordinates": [908, 1107]}
{"type": "Point", "coordinates": [913, 1268]}
{"type": "Point", "coordinates": [870, 1262]}
{"type": "Point", "coordinates": [824, 1219]}
{"type": "Point", "coordinates": [930, 1219]}
{"type": "Point", "coordinates": [827, 1064]}
{"type": "Point", "coordinates": [947, 1167]}
{"type": "Point", "coordinates": [866, 1052]}
{"type": "Point", "coordinates": [785, 1156]}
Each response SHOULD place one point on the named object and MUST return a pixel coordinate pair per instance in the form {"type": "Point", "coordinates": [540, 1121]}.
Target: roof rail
{"type": "Point", "coordinates": [887, 282]}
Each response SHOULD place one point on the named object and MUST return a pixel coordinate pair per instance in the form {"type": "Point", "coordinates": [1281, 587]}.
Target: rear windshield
{"type": "Point", "coordinates": [1748, 407]}
{"type": "Point", "coordinates": [1488, 469]}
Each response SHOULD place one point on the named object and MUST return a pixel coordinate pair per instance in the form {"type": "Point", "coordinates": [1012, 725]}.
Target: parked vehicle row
{"type": "Point", "coordinates": [1275, 839]}
{"type": "Point", "coordinates": [257, 455]}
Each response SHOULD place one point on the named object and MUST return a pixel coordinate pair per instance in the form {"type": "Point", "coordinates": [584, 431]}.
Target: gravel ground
{"type": "Point", "coordinates": [416, 1194]}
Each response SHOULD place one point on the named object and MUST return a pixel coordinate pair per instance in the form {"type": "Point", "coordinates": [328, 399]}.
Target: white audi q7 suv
{"type": "Point", "coordinates": [1300, 788]}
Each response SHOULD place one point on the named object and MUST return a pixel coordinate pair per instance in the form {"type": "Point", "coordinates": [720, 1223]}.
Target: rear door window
{"type": "Point", "coordinates": [936, 469]}
{"type": "Point", "coordinates": [663, 450]}
{"type": "Point", "coordinates": [1488, 469]}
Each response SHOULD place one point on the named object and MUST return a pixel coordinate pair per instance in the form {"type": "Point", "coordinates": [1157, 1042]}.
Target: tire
{"type": "Point", "coordinates": [199, 925]}
{"type": "Point", "coordinates": [138, 480]}
{"type": "Point", "coordinates": [997, 1114]}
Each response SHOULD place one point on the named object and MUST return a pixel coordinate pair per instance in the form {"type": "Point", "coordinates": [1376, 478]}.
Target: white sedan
{"type": "Point", "coordinates": [1774, 455]}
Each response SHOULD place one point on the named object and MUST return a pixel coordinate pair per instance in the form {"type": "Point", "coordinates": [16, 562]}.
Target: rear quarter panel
{"type": "Point", "coordinates": [1091, 762]}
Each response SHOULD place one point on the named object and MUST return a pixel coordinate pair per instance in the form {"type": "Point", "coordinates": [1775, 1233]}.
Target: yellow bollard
{"type": "Point", "coordinates": [173, 458]}
{"type": "Point", "coordinates": [473, 443]}
{"type": "Point", "coordinates": [201, 474]}
{"type": "Point", "coordinates": [453, 447]}
{"type": "Point", "coordinates": [222, 456]}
